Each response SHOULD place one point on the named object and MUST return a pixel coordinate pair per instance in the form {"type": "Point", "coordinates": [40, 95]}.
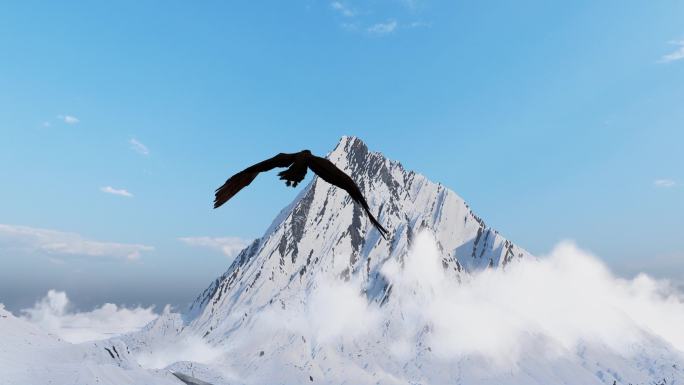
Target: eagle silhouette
{"type": "Point", "coordinates": [297, 164]}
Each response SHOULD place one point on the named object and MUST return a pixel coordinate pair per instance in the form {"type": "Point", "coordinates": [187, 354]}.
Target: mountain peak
{"type": "Point", "coordinates": [324, 232]}
{"type": "Point", "coordinates": [351, 144]}
{"type": "Point", "coordinates": [350, 150]}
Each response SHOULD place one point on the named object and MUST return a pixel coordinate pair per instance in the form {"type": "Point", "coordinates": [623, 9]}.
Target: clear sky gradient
{"type": "Point", "coordinates": [553, 120]}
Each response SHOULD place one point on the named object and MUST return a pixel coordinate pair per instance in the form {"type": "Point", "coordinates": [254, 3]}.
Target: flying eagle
{"type": "Point", "coordinates": [297, 164]}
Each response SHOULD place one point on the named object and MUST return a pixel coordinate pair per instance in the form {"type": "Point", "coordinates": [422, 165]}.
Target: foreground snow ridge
{"type": "Point", "coordinates": [322, 298]}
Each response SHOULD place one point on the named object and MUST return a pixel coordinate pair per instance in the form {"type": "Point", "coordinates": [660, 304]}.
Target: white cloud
{"type": "Point", "coordinates": [139, 147]}
{"type": "Point", "coordinates": [342, 9]}
{"type": "Point", "coordinates": [336, 309]}
{"type": "Point", "coordinates": [677, 54]}
{"type": "Point", "coordinates": [62, 243]}
{"type": "Point", "coordinates": [332, 311]}
{"type": "Point", "coordinates": [229, 246]}
{"type": "Point", "coordinates": [383, 28]}
{"type": "Point", "coordinates": [46, 124]}
{"type": "Point", "coordinates": [114, 191]}
{"type": "Point", "coordinates": [68, 119]}
{"type": "Point", "coordinates": [350, 26]}
{"type": "Point", "coordinates": [664, 183]}
{"type": "Point", "coordinates": [419, 24]}
{"type": "Point", "coordinates": [53, 314]}
{"type": "Point", "coordinates": [555, 303]}
{"type": "Point", "coordinates": [56, 261]}
{"type": "Point", "coordinates": [568, 297]}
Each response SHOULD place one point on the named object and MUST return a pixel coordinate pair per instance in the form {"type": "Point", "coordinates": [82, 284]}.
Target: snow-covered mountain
{"type": "Point", "coordinates": [322, 298]}
{"type": "Point", "coordinates": [323, 231]}
{"type": "Point", "coordinates": [318, 298]}
{"type": "Point", "coordinates": [29, 355]}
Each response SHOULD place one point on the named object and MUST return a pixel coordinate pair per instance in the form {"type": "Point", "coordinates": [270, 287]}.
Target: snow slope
{"type": "Point", "coordinates": [324, 231]}
{"type": "Point", "coordinates": [29, 355]}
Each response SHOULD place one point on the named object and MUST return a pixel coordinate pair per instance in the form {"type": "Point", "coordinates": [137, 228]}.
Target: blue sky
{"type": "Point", "coordinates": [553, 120]}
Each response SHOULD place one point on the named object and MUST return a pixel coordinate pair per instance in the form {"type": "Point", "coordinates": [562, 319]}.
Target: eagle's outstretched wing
{"type": "Point", "coordinates": [333, 175]}
{"type": "Point", "coordinates": [238, 181]}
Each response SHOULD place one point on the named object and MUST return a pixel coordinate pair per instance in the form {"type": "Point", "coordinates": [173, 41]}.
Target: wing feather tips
{"type": "Point", "coordinates": [232, 186]}
{"type": "Point", "coordinates": [383, 231]}
{"type": "Point", "coordinates": [222, 196]}
{"type": "Point", "coordinates": [218, 202]}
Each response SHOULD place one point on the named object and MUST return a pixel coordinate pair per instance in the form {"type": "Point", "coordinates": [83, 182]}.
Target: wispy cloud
{"type": "Point", "coordinates": [664, 183]}
{"type": "Point", "coordinates": [352, 27]}
{"type": "Point", "coordinates": [463, 317]}
{"type": "Point", "coordinates": [419, 24]}
{"type": "Point", "coordinates": [343, 9]}
{"type": "Point", "coordinates": [357, 18]}
{"type": "Point", "coordinates": [55, 242]}
{"type": "Point", "coordinates": [114, 191]}
{"type": "Point", "coordinates": [53, 313]}
{"type": "Point", "coordinates": [56, 261]}
{"type": "Point", "coordinates": [139, 147]}
{"type": "Point", "coordinates": [383, 28]}
{"type": "Point", "coordinates": [677, 54]}
{"type": "Point", "coordinates": [68, 119]}
{"type": "Point", "coordinates": [229, 246]}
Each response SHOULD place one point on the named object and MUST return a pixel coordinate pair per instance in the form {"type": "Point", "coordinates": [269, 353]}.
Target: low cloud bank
{"type": "Point", "coordinates": [555, 303]}
{"type": "Point", "coordinates": [229, 246]}
{"type": "Point", "coordinates": [53, 313]}
{"type": "Point", "coordinates": [54, 242]}
{"type": "Point", "coordinates": [566, 298]}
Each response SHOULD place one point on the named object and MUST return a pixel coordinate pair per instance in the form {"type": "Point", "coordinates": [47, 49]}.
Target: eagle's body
{"type": "Point", "coordinates": [297, 164]}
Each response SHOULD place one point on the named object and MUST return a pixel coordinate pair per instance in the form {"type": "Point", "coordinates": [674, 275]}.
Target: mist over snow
{"type": "Point", "coordinates": [564, 299]}
{"type": "Point", "coordinates": [550, 307]}
{"type": "Point", "coordinates": [333, 311]}
{"type": "Point", "coordinates": [54, 314]}
{"type": "Point", "coordinates": [543, 315]}
{"type": "Point", "coordinates": [190, 348]}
